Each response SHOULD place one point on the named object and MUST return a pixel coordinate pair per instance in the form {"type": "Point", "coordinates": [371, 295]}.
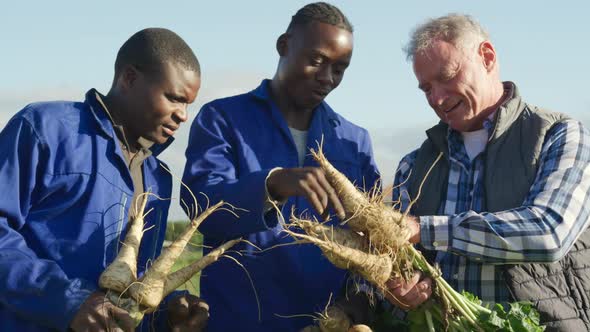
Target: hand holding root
{"type": "Point", "coordinates": [309, 182]}
{"type": "Point", "coordinates": [391, 234]}
{"type": "Point", "coordinates": [97, 313]}
{"type": "Point", "coordinates": [409, 294]}
{"type": "Point", "coordinates": [187, 313]}
{"type": "Point", "coordinates": [138, 296]}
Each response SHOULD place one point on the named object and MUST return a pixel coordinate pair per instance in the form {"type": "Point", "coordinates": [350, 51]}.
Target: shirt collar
{"type": "Point", "coordinates": [508, 111]}
{"type": "Point", "coordinates": [262, 91]}
{"type": "Point", "coordinates": [141, 143]}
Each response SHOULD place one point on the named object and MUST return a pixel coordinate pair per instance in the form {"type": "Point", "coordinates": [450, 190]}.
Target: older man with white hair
{"type": "Point", "coordinates": [505, 210]}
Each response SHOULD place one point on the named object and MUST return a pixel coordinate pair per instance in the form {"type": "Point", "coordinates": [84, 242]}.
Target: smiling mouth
{"type": "Point", "coordinates": [453, 108]}
{"type": "Point", "coordinates": [321, 93]}
{"type": "Point", "coordinates": [169, 131]}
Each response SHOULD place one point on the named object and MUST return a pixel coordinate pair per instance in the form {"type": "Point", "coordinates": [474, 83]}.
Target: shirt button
{"type": "Point", "coordinates": [455, 276]}
{"type": "Point", "coordinates": [435, 244]}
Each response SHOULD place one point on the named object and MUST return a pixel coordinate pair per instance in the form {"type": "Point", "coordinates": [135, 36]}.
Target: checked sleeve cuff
{"type": "Point", "coordinates": [435, 232]}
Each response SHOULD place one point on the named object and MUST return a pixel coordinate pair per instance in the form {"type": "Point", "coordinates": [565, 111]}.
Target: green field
{"type": "Point", "coordinates": [191, 253]}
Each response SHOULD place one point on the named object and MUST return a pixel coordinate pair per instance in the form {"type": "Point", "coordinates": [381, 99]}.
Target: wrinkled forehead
{"type": "Point", "coordinates": [437, 61]}
{"type": "Point", "coordinates": [436, 52]}
{"type": "Point", "coordinates": [465, 42]}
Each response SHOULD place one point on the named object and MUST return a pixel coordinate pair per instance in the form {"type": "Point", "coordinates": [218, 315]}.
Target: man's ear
{"type": "Point", "coordinates": [128, 77]}
{"type": "Point", "coordinates": [488, 55]}
{"type": "Point", "coordinates": [282, 44]}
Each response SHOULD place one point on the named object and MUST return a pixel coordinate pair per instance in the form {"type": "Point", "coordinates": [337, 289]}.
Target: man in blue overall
{"type": "Point", "coordinates": [251, 149]}
{"type": "Point", "coordinates": [70, 172]}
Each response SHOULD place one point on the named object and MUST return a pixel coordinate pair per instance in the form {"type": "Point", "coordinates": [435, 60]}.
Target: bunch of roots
{"type": "Point", "coordinates": [374, 244]}
{"type": "Point", "coordinates": [143, 295]}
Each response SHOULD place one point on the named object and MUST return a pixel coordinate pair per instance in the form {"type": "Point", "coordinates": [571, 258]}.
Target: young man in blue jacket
{"type": "Point", "coordinates": [70, 172]}
{"type": "Point", "coordinates": [251, 149]}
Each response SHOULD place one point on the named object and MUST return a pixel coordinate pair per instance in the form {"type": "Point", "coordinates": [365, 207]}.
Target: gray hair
{"type": "Point", "coordinates": [461, 30]}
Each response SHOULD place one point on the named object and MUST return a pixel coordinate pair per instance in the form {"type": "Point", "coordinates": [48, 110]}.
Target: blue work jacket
{"type": "Point", "coordinates": [64, 200]}
{"type": "Point", "coordinates": [234, 143]}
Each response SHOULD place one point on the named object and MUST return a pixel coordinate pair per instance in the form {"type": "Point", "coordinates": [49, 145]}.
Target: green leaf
{"type": "Point", "coordinates": [492, 321]}
{"type": "Point", "coordinates": [471, 297]}
{"type": "Point", "coordinates": [523, 317]}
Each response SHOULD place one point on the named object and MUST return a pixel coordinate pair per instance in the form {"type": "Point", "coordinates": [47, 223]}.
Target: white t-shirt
{"type": "Point", "coordinates": [475, 142]}
{"type": "Point", "coordinates": [300, 138]}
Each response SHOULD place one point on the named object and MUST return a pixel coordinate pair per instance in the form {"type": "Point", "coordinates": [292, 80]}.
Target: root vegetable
{"type": "Point", "coordinates": [175, 279]}
{"type": "Point", "coordinates": [388, 236]}
{"type": "Point", "coordinates": [334, 320]}
{"type": "Point", "coordinates": [360, 328]}
{"type": "Point", "coordinates": [339, 235]}
{"type": "Point", "coordinates": [149, 290]}
{"type": "Point", "coordinates": [122, 272]}
{"type": "Point", "coordinates": [144, 295]}
{"type": "Point", "coordinates": [374, 268]}
{"type": "Point", "coordinates": [383, 226]}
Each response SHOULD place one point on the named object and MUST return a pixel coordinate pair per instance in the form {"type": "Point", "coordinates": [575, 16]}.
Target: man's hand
{"type": "Point", "coordinates": [97, 313]}
{"type": "Point", "coordinates": [187, 313]}
{"type": "Point", "coordinates": [409, 295]}
{"type": "Point", "coordinates": [309, 182]}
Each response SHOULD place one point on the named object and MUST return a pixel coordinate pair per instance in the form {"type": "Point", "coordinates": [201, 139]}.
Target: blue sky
{"type": "Point", "coordinates": [59, 49]}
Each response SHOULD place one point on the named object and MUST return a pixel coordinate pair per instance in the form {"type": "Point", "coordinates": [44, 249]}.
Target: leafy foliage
{"type": "Point", "coordinates": [522, 317]}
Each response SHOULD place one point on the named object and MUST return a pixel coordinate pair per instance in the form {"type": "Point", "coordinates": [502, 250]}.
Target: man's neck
{"type": "Point", "coordinates": [113, 109]}
{"type": "Point", "coordinates": [498, 97]}
{"type": "Point", "coordinates": [296, 117]}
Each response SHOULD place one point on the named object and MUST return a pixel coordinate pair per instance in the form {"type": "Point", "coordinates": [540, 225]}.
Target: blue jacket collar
{"type": "Point", "coordinates": [106, 126]}
{"type": "Point", "coordinates": [262, 91]}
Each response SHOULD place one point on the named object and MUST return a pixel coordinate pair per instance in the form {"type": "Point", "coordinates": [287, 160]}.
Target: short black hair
{"type": "Point", "coordinates": [150, 48]}
{"type": "Point", "coordinates": [321, 12]}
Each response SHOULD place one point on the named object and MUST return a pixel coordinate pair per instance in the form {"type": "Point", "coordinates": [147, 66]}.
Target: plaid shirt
{"type": "Point", "coordinates": [471, 243]}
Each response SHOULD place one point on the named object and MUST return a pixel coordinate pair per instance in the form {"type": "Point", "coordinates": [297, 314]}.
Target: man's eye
{"type": "Point", "coordinates": [173, 98]}
{"type": "Point", "coordinates": [316, 61]}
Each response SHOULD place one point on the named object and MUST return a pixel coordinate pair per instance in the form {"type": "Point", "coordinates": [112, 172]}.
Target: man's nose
{"type": "Point", "coordinates": [182, 113]}
{"type": "Point", "coordinates": [325, 75]}
{"type": "Point", "coordinates": [437, 97]}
